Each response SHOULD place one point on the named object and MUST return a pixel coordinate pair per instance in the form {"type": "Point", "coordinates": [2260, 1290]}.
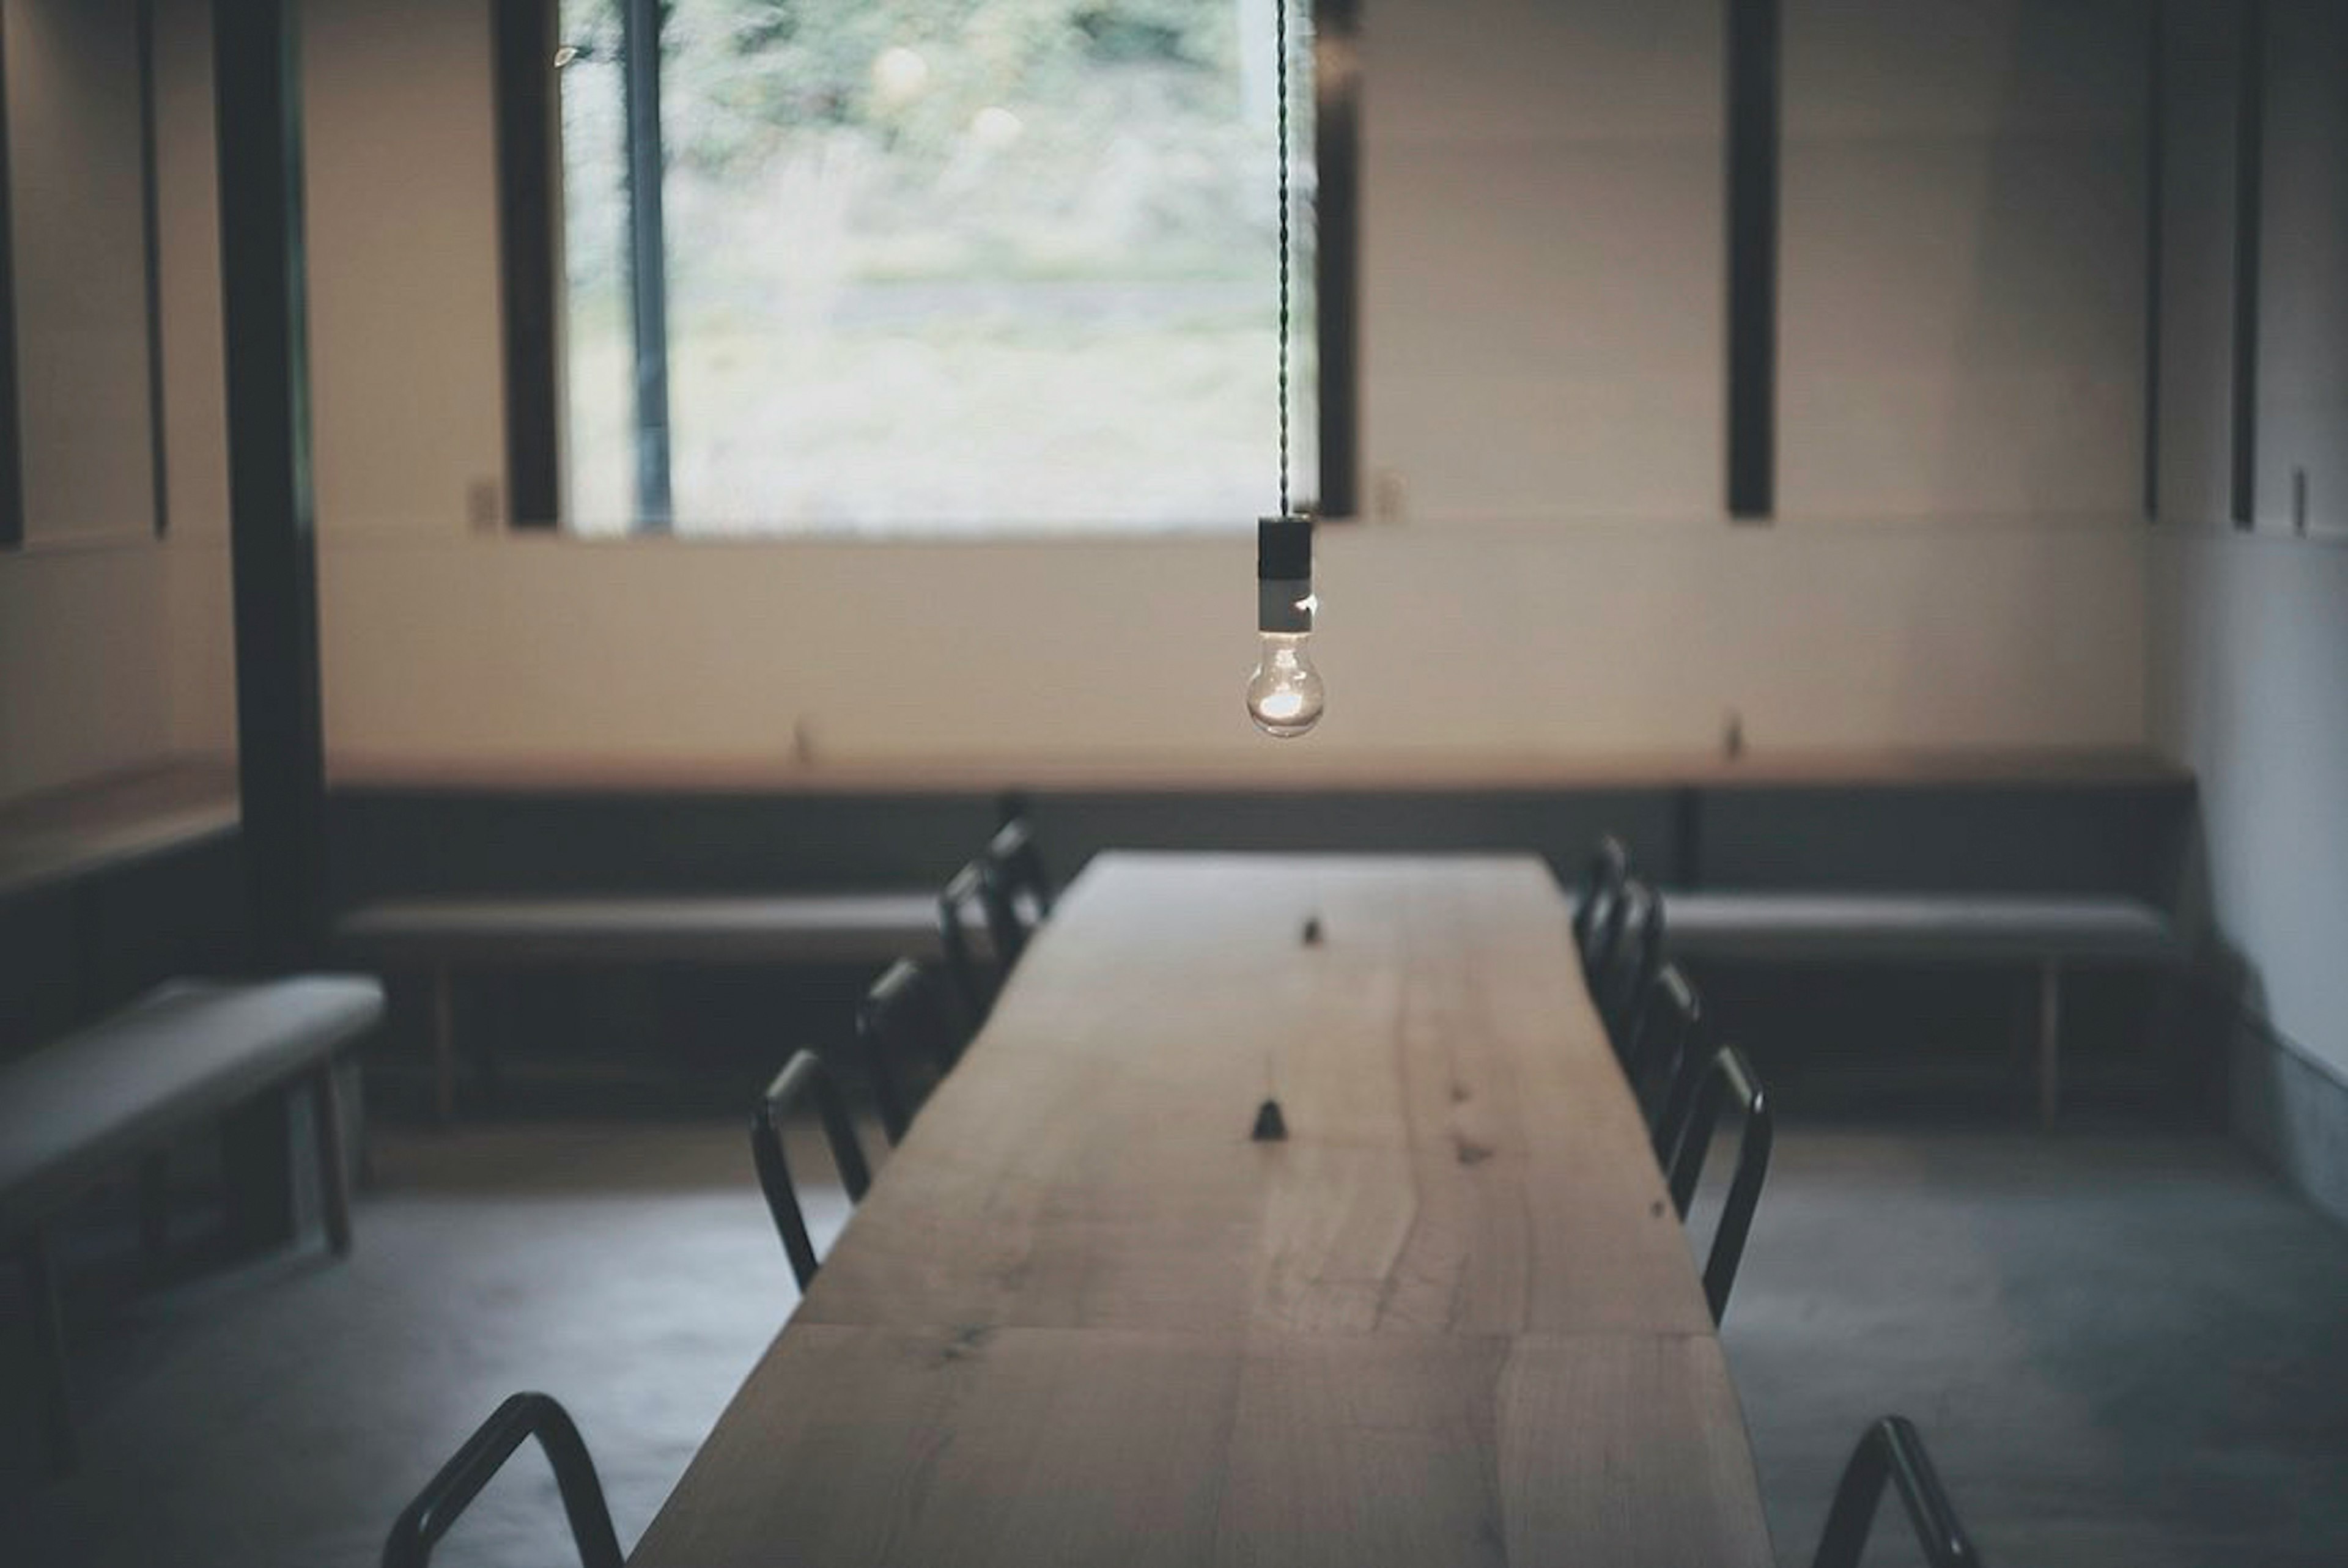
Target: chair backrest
{"type": "Point", "coordinates": [1893, 1451]}
{"type": "Point", "coordinates": [1601, 875]}
{"type": "Point", "coordinates": [1729, 1075]}
{"type": "Point", "coordinates": [907, 1011]}
{"type": "Point", "coordinates": [976, 979]}
{"type": "Point", "coordinates": [1666, 1055]}
{"type": "Point", "coordinates": [1621, 985]}
{"type": "Point", "coordinates": [802, 1078]}
{"type": "Point", "coordinates": [446, 1495]}
{"type": "Point", "coordinates": [1006, 927]}
{"type": "Point", "coordinates": [1014, 851]}
{"type": "Point", "coordinates": [1617, 918]}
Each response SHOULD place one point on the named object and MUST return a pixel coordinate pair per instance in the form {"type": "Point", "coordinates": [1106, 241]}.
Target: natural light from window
{"type": "Point", "coordinates": [940, 266]}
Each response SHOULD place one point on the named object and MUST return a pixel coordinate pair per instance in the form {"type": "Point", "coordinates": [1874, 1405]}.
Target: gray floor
{"type": "Point", "coordinates": [2128, 1347]}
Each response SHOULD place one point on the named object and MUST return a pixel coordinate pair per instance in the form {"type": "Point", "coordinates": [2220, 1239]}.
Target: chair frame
{"type": "Point", "coordinates": [1666, 1055]}
{"type": "Point", "coordinates": [1621, 987]}
{"type": "Point", "coordinates": [1728, 1073]}
{"type": "Point", "coordinates": [1608, 867]}
{"type": "Point", "coordinates": [1014, 851]}
{"type": "Point", "coordinates": [886, 1018]}
{"type": "Point", "coordinates": [965, 888]}
{"type": "Point", "coordinates": [999, 886]}
{"type": "Point", "coordinates": [1893, 1451]}
{"type": "Point", "coordinates": [436, 1510]}
{"type": "Point", "coordinates": [803, 1078]}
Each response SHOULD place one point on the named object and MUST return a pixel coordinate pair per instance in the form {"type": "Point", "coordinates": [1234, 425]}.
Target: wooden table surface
{"type": "Point", "coordinates": [1081, 1317]}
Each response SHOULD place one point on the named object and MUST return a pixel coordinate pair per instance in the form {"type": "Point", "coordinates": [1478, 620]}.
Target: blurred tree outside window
{"type": "Point", "coordinates": [943, 266]}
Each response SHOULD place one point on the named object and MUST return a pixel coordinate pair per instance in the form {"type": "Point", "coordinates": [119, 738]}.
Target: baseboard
{"type": "Point", "coordinates": [2293, 1111]}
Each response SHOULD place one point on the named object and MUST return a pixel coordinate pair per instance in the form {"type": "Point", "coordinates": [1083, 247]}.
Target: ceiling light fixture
{"type": "Point", "coordinates": [1284, 696]}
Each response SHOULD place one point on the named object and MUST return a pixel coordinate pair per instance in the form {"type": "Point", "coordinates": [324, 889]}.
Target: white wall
{"type": "Point", "coordinates": [202, 664]}
{"type": "Point", "coordinates": [405, 361]}
{"type": "Point", "coordinates": [1543, 349]}
{"type": "Point", "coordinates": [1541, 254]}
{"type": "Point", "coordinates": [74, 186]}
{"type": "Point", "coordinates": [2250, 631]}
{"type": "Point", "coordinates": [84, 643]}
{"type": "Point", "coordinates": [1961, 328]}
{"type": "Point", "coordinates": [114, 646]}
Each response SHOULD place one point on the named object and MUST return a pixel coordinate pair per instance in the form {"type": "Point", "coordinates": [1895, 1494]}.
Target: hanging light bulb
{"type": "Point", "coordinates": [1284, 696]}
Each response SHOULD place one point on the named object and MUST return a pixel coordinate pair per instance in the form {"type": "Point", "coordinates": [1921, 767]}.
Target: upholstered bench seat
{"type": "Point", "coordinates": [435, 938]}
{"type": "Point", "coordinates": [2047, 933]}
{"type": "Point", "coordinates": [183, 1054]}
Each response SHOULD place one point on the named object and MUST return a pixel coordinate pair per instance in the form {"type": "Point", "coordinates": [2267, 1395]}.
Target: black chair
{"type": "Point", "coordinates": [1015, 892]}
{"type": "Point", "coordinates": [1620, 984]}
{"type": "Point", "coordinates": [1729, 1074]}
{"type": "Point", "coordinates": [1019, 864]}
{"type": "Point", "coordinates": [976, 976]}
{"type": "Point", "coordinates": [1601, 877]}
{"type": "Point", "coordinates": [1666, 1056]}
{"type": "Point", "coordinates": [1893, 1450]}
{"type": "Point", "coordinates": [447, 1494]}
{"type": "Point", "coordinates": [907, 1012]}
{"type": "Point", "coordinates": [803, 1078]}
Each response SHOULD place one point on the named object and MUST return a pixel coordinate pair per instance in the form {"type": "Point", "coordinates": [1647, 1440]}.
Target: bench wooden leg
{"type": "Point", "coordinates": [444, 1047]}
{"type": "Point", "coordinates": [155, 1206]}
{"type": "Point", "coordinates": [2050, 1041]}
{"type": "Point", "coordinates": [333, 1175]}
{"type": "Point", "coordinates": [49, 1353]}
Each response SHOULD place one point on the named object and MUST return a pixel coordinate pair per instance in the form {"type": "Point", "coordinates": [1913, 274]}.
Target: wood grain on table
{"type": "Point", "coordinates": [861, 1447]}
{"type": "Point", "coordinates": [1462, 1152]}
{"type": "Point", "coordinates": [1081, 1317]}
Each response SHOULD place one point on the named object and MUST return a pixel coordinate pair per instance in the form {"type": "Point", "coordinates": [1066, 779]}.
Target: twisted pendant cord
{"type": "Point", "coordinates": [1280, 35]}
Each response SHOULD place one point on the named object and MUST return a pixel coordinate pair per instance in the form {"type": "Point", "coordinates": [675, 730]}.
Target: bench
{"type": "Point", "coordinates": [437, 936]}
{"type": "Point", "coordinates": [184, 1054]}
{"type": "Point", "coordinates": [2044, 932]}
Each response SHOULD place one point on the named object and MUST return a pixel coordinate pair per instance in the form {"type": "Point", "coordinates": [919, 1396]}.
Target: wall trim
{"type": "Point", "coordinates": [12, 457]}
{"type": "Point", "coordinates": [529, 257]}
{"type": "Point", "coordinates": [1754, 62]}
{"type": "Point", "coordinates": [2250, 218]}
{"type": "Point", "coordinates": [151, 248]}
{"type": "Point", "coordinates": [2156, 192]}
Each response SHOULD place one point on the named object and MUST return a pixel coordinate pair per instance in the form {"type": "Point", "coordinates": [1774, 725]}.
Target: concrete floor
{"type": "Point", "coordinates": [2124, 1348]}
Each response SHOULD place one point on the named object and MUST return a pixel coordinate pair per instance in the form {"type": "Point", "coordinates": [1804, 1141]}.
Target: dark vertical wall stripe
{"type": "Point", "coordinates": [647, 258]}
{"type": "Point", "coordinates": [1753, 155]}
{"type": "Point", "coordinates": [2249, 209]}
{"type": "Point", "coordinates": [2156, 111]}
{"type": "Point", "coordinates": [281, 751]}
{"type": "Point", "coordinates": [12, 464]}
{"type": "Point", "coordinates": [531, 257]}
{"type": "Point", "coordinates": [151, 209]}
{"type": "Point", "coordinates": [1336, 155]}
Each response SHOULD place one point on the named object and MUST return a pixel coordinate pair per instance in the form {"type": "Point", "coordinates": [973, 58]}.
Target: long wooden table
{"type": "Point", "coordinates": [1082, 1318]}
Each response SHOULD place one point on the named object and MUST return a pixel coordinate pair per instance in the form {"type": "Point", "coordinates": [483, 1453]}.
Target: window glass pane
{"type": "Point", "coordinates": [954, 265]}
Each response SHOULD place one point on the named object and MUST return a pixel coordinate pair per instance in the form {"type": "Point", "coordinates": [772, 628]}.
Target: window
{"type": "Point", "coordinates": [937, 266]}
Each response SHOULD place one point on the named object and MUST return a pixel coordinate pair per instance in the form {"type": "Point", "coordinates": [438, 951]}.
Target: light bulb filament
{"type": "Point", "coordinates": [1285, 695]}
